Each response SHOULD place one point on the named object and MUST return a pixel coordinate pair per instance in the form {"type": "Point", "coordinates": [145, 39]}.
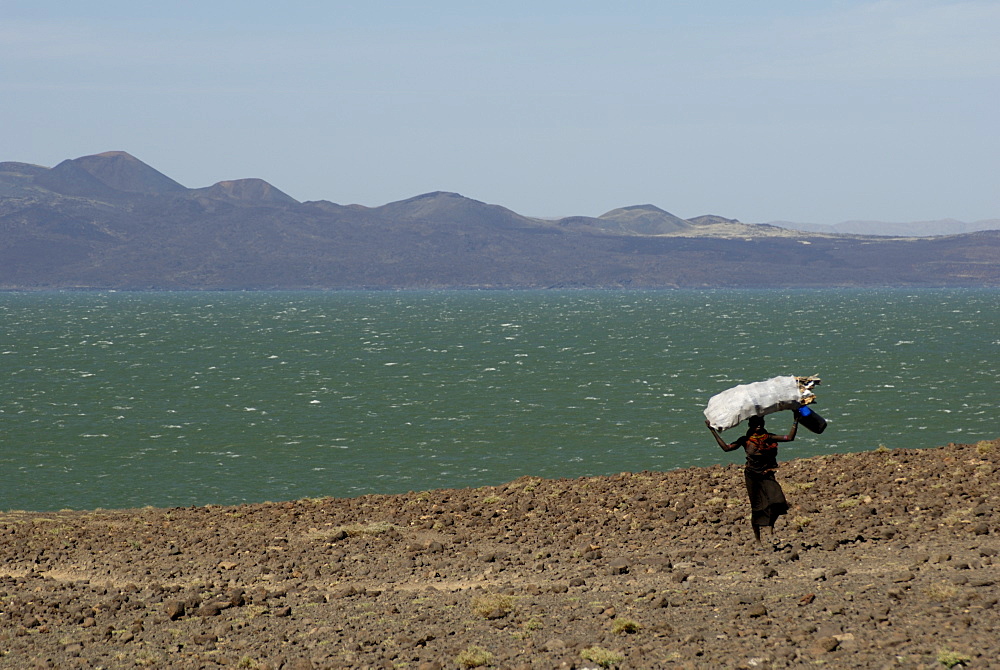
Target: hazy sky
{"type": "Point", "coordinates": [797, 110]}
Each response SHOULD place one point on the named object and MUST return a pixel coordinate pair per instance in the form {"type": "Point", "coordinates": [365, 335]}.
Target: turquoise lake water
{"type": "Point", "coordinates": [172, 399]}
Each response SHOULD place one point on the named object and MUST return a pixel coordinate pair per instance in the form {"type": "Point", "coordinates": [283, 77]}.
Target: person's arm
{"type": "Point", "coordinates": [791, 433]}
{"type": "Point", "coordinates": [718, 438]}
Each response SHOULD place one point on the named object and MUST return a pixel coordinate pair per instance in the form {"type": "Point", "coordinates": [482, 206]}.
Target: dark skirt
{"type": "Point", "coordinates": [767, 500]}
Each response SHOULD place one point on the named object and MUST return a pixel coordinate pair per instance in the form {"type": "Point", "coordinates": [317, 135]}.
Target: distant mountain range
{"type": "Point", "coordinates": [110, 221]}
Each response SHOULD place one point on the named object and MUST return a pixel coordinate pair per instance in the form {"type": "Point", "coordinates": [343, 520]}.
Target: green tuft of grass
{"type": "Point", "coordinates": [625, 627]}
{"type": "Point", "coordinates": [602, 657]}
{"type": "Point", "coordinates": [474, 657]}
{"type": "Point", "coordinates": [532, 483]}
{"type": "Point", "coordinates": [493, 605]}
{"type": "Point", "coordinates": [950, 659]}
{"type": "Point", "coordinates": [533, 624]}
{"type": "Point", "coordinates": [942, 592]}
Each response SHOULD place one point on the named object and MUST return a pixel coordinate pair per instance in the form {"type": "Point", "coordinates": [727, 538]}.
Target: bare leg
{"type": "Point", "coordinates": [756, 532]}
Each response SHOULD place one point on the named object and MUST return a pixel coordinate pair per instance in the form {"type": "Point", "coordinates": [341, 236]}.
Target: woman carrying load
{"type": "Point", "coordinates": [767, 500]}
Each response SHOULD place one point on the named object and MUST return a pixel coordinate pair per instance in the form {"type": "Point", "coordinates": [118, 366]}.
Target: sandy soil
{"type": "Point", "coordinates": [887, 559]}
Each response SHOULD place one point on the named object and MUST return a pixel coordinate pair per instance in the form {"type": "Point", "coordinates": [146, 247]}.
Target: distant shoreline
{"type": "Point", "coordinates": [472, 289]}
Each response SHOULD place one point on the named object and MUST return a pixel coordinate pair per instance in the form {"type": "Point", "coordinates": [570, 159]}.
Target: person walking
{"type": "Point", "coordinates": [767, 500]}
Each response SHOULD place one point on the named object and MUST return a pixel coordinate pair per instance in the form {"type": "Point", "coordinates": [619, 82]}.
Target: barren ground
{"type": "Point", "coordinates": [887, 559]}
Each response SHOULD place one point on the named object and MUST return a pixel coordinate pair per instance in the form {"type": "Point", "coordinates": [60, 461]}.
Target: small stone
{"type": "Point", "coordinates": [982, 510]}
{"type": "Point", "coordinates": [757, 611]}
{"type": "Point", "coordinates": [343, 592]}
{"type": "Point", "coordinates": [893, 641]}
{"type": "Point", "coordinates": [211, 609]}
{"type": "Point", "coordinates": [825, 645]}
{"type": "Point", "coordinates": [555, 644]}
{"type": "Point", "coordinates": [618, 566]}
{"type": "Point", "coordinates": [175, 609]}
{"type": "Point", "coordinates": [847, 641]}
{"type": "Point", "coordinates": [237, 598]}
{"type": "Point", "coordinates": [283, 611]}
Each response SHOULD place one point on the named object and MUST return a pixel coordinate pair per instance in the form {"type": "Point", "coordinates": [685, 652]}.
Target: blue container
{"type": "Point", "coordinates": [810, 419]}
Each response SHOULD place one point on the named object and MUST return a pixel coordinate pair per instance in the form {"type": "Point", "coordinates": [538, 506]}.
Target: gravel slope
{"type": "Point", "coordinates": [887, 559]}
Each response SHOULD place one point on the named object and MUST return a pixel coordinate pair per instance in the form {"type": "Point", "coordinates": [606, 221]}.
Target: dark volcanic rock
{"type": "Point", "coordinates": [175, 609]}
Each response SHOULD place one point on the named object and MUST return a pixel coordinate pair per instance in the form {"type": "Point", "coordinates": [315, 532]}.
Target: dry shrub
{"type": "Point", "coordinates": [625, 627]}
{"type": "Point", "coordinates": [493, 605]}
{"type": "Point", "coordinates": [474, 657]}
{"type": "Point", "coordinates": [602, 657]}
{"type": "Point", "coordinates": [942, 592]}
{"type": "Point", "coordinates": [950, 659]}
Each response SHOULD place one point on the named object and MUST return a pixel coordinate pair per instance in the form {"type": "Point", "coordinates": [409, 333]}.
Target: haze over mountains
{"type": "Point", "coordinates": [911, 229]}
{"type": "Point", "coordinates": [111, 221]}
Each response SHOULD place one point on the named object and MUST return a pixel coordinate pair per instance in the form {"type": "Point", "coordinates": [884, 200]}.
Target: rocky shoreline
{"type": "Point", "coordinates": [888, 558]}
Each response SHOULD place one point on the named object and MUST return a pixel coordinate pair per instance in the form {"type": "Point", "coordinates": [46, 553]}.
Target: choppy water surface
{"type": "Point", "coordinates": [170, 399]}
